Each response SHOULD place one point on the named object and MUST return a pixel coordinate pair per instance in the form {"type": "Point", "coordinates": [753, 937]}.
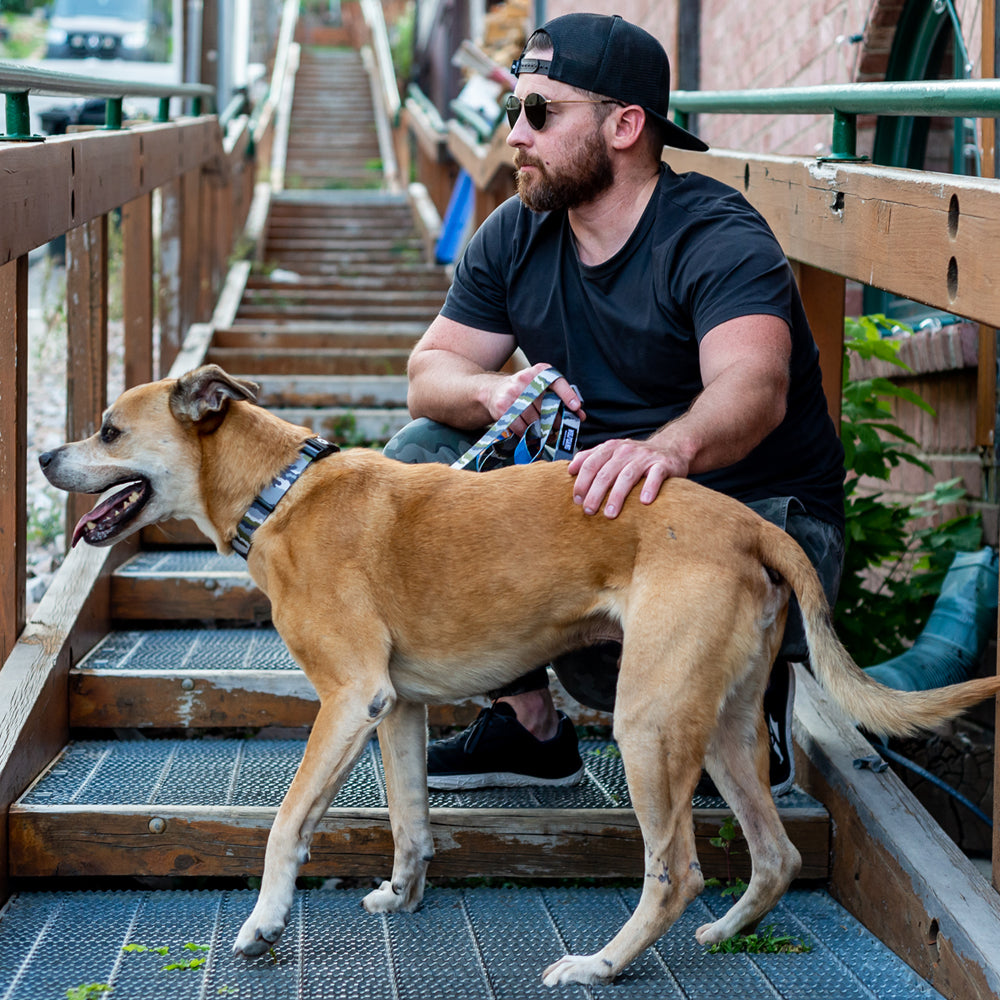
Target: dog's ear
{"type": "Point", "coordinates": [206, 392]}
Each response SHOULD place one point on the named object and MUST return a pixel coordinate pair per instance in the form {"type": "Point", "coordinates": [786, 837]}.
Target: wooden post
{"type": "Point", "coordinates": [192, 254]}
{"type": "Point", "coordinates": [87, 341]}
{"type": "Point", "coordinates": [169, 271]}
{"type": "Point", "coordinates": [13, 449]}
{"type": "Point", "coordinates": [823, 297]}
{"type": "Point", "coordinates": [137, 289]}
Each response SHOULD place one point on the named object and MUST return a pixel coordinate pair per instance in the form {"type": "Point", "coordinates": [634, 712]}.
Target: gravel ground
{"type": "Point", "coordinates": [47, 414]}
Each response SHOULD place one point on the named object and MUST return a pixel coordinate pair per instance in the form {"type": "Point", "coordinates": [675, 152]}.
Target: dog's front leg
{"type": "Point", "coordinates": [403, 738]}
{"type": "Point", "coordinates": [342, 729]}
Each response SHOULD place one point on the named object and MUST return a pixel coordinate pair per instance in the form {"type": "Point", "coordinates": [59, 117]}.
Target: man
{"type": "Point", "coordinates": [667, 301]}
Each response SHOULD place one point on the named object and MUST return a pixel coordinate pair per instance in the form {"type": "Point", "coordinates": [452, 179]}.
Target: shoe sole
{"type": "Point", "coordinates": [497, 779]}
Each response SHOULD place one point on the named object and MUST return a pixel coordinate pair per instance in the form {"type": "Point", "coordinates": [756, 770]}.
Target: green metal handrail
{"type": "Point", "coordinates": [18, 81]}
{"type": "Point", "coordinates": [937, 98]}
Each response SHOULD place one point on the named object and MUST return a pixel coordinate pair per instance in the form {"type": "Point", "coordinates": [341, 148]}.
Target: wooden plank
{"type": "Point", "coordinates": [13, 449]}
{"type": "Point", "coordinates": [87, 342]}
{"type": "Point", "coordinates": [309, 362]}
{"type": "Point", "coordinates": [193, 257]}
{"type": "Point", "coordinates": [33, 702]}
{"type": "Point", "coordinates": [823, 298]}
{"type": "Point", "coordinates": [169, 273]}
{"type": "Point", "coordinates": [137, 289]}
{"type": "Point", "coordinates": [238, 699]}
{"type": "Point", "coordinates": [218, 596]}
{"type": "Point", "coordinates": [193, 841]}
{"type": "Point", "coordinates": [915, 233]}
{"type": "Point", "coordinates": [57, 185]}
{"type": "Point", "coordinates": [893, 867]}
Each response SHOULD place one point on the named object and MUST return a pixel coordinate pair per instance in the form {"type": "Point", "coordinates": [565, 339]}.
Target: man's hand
{"type": "Point", "coordinates": [614, 467]}
{"type": "Point", "coordinates": [504, 390]}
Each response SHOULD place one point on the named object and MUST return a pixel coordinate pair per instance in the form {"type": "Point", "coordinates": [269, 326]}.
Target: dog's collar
{"type": "Point", "coordinates": [271, 496]}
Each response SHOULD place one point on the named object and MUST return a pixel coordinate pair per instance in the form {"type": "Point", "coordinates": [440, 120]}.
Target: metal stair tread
{"type": "Point", "coordinates": [481, 943]}
{"type": "Point", "coordinates": [161, 774]}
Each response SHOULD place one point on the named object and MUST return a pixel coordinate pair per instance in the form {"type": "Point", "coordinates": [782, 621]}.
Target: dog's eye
{"type": "Point", "coordinates": [109, 433]}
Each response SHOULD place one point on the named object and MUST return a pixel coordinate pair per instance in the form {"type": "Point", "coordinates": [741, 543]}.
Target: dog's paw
{"type": "Point", "coordinates": [258, 935]}
{"type": "Point", "coordinates": [386, 899]}
{"type": "Point", "coordinates": [714, 933]}
{"type": "Point", "coordinates": [584, 969]}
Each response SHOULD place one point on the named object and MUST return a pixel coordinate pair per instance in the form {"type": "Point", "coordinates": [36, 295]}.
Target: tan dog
{"type": "Point", "coordinates": [397, 585]}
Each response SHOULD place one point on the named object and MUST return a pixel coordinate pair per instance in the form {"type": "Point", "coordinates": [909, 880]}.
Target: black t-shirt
{"type": "Point", "coordinates": [626, 332]}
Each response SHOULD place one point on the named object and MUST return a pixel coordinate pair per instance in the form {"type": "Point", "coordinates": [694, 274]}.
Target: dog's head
{"type": "Point", "coordinates": [144, 459]}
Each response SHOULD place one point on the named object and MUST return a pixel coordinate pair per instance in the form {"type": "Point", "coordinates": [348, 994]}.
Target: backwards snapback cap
{"type": "Point", "coordinates": [611, 56]}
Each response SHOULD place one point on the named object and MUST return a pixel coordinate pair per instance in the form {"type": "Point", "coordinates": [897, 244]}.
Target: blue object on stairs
{"type": "Point", "coordinates": [456, 220]}
{"type": "Point", "coordinates": [952, 641]}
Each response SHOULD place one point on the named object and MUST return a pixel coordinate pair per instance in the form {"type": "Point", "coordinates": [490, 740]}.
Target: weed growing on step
{"type": "Point", "coordinates": [766, 942]}
{"type": "Point", "coordinates": [89, 991]}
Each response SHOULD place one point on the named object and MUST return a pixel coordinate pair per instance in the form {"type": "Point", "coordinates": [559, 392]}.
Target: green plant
{"type": "Point", "coordinates": [726, 842]}
{"type": "Point", "coordinates": [765, 942]}
{"type": "Point", "coordinates": [88, 991]}
{"type": "Point", "coordinates": [895, 557]}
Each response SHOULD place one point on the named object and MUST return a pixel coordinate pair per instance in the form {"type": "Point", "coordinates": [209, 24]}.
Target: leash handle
{"type": "Point", "coordinates": [551, 405]}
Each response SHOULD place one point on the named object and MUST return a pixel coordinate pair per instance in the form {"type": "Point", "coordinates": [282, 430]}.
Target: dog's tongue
{"type": "Point", "coordinates": [97, 524]}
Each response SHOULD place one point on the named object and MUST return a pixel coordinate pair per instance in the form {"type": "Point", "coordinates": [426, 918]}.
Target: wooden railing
{"type": "Point", "coordinates": [920, 235]}
{"type": "Point", "coordinates": [184, 189]}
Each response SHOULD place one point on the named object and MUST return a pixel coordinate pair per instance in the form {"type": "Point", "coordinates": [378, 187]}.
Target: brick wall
{"type": "Point", "coordinates": [779, 45]}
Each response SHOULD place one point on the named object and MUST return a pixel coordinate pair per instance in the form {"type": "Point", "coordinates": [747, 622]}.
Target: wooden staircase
{"type": "Point", "coordinates": [189, 718]}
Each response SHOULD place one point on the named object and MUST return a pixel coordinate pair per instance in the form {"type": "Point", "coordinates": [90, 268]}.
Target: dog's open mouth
{"type": "Point", "coordinates": [111, 515]}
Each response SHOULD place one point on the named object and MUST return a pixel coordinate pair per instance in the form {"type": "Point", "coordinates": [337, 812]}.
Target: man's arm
{"type": "Point", "coordinates": [745, 372]}
{"type": "Point", "coordinates": [455, 378]}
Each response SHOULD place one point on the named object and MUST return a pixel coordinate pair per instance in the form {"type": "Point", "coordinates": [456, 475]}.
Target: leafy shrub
{"type": "Point", "coordinates": [893, 569]}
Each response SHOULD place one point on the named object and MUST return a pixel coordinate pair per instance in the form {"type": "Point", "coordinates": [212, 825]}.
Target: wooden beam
{"type": "Point", "coordinates": [194, 841]}
{"type": "Point", "coordinates": [137, 288]}
{"type": "Point", "coordinates": [51, 187]}
{"type": "Point", "coordinates": [919, 234]}
{"type": "Point", "coordinates": [893, 867]}
{"type": "Point", "coordinates": [823, 298]}
{"type": "Point", "coordinates": [87, 341]}
{"type": "Point", "coordinates": [13, 449]}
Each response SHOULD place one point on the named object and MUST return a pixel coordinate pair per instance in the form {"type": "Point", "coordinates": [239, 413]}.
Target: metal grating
{"type": "Point", "coordinates": [173, 649]}
{"type": "Point", "coordinates": [167, 561]}
{"type": "Point", "coordinates": [478, 943]}
{"type": "Point", "coordinates": [248, 773]}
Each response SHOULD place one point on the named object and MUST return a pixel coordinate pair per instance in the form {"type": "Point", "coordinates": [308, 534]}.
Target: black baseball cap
{"type": "Point", "coordinates": [608, 55]}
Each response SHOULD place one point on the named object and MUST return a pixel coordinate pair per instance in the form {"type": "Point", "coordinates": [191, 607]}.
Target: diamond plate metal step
{"type": "Point", "coordinates": [199, 678]}
{"type": "Point", "coordinates": [482, 944]}
{"type": "Point", "coordinates": [204, 807]}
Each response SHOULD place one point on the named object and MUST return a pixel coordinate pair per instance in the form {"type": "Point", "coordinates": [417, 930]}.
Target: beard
{"type": "Point", "coordinates": [588, 173]}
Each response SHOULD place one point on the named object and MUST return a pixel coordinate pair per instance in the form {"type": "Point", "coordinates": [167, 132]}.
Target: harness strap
{"type": "Point", "coordinates": [551, 407]}
{"type": "Point", "coordinates": [269, 497]}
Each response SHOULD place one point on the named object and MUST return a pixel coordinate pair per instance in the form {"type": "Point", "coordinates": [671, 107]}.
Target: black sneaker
{"type": "Point", "coordinates": [497, 751]}
{"type": "Point", "coordinates": [778, 700]}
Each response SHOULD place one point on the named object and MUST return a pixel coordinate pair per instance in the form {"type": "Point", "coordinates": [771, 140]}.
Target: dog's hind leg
{"type": "Point", "coordinates": [737, 760]}
{"type": "Point", "coordinates": [403, 738]}
{"type": "Point", "coordinates": [343, 726]}
{"type": "Point", "coordinates": [662, 763]}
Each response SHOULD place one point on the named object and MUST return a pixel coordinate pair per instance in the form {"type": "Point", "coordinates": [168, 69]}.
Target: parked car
{"type": "Point", "coordinates": [106, 29]}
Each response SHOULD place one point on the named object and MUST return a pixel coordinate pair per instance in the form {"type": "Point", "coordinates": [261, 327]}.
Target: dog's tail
{"type": "Point", "coordinates": [877, 708]}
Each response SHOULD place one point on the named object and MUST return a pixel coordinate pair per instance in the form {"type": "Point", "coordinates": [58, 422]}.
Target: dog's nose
{"type": "Point", "coordinates": [45, 458]}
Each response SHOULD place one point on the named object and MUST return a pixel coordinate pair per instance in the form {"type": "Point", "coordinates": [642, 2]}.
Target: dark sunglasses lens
{"type": "Point", "coordinates": [534, 110]}
{"type": "Point", "coordinates": [513, 108]}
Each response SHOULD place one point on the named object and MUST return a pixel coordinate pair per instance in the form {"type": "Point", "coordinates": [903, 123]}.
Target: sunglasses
{"type": "Point", "coordinates": [535, 108]}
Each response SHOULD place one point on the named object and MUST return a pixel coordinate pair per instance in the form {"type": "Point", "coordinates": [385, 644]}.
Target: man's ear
{"type": "Point", "coordinates": [629, 123]}
{"type": "Point", "coordinates": [206, 392]}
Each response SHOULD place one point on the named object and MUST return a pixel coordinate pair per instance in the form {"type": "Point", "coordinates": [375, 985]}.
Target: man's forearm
{"type": "Point", "coordinates": [448, 388]}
